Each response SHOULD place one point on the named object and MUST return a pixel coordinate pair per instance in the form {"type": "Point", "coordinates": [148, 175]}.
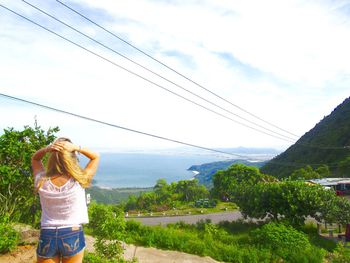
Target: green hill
{"type": "Point", "coordinates": [327, 143]}
{"type": "Point", "coordinates": [207, 170]}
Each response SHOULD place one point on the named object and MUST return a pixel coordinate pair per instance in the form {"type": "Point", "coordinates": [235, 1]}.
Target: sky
{"type": "Point", "coordinates": [285, 62]}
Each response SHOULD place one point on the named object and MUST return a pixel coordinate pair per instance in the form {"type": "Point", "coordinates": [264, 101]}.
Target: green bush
{"type": "Point", "coordinates": [196, 246]}
{"type": "Point", "coordinates": [106, 221]}
{"type": "Point", "coordinates": [108, 226]}
{"type": "Point", "coordinates": [341, 254]}
{"type": "Point", "coordinates": [280, 236]}
{"type": "Point", "coordinates": [287, 243]}
{"type": "Point", "coordinates": [317, 240]}
{"type": "Point", "coordinates": [16, 183]}
{"type": "Point", "coordinates": [95, 258]}
{"type": "Point", "coordinates": [8, 238]}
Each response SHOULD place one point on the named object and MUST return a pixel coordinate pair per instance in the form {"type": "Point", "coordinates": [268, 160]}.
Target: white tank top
{"type": "Point", "coordinates": [62, 206]}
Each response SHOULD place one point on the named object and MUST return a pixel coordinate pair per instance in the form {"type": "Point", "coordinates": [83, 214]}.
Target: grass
{"type": "Point", "coordinates": [228, 242]}
{"type": "Point", "coordinates": [187, 209]}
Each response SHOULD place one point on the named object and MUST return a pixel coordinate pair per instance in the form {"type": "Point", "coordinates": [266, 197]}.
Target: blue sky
{"type": "Point", "coordinates": [286, 62]}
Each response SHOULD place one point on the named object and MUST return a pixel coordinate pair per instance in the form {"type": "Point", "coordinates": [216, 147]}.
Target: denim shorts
{"type": "Point", "coordinates": [65, 242]}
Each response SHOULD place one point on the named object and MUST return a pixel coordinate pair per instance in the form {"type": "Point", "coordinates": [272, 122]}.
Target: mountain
{"type": "Point", "coordinates": [206, 171]}
{"type": "Point", "coordinates": [328, 143]}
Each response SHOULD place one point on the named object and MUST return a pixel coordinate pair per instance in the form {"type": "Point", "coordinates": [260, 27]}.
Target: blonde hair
{"type": "Point", "coordinates": [65, 163]}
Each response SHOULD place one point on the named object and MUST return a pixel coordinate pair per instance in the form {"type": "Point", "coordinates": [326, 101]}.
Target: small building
{"type": "Point", "coordinates": [340, 185]}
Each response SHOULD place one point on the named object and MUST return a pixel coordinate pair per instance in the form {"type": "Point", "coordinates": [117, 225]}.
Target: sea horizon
{"type": "Point", "coordinates": [142, 170]}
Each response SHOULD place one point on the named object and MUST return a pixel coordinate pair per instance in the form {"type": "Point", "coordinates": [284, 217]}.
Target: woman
{"type": "Point", "coordinates": [61, 188]}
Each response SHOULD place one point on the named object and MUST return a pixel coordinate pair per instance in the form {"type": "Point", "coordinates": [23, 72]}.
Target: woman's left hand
{"type": "Point", "coordinates": [65, 146]}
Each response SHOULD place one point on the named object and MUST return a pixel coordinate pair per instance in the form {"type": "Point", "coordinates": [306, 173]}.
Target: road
{"type": "Point", "coordinates": [189, 219]}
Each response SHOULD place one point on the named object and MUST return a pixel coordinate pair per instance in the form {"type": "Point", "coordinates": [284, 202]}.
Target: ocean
{"type": "Point", "coordinates": [122, 170]}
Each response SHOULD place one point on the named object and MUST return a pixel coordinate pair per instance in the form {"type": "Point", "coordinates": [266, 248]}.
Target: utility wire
{"type": "Point", "coordinates": [117, 126]}
{"type": "Point", "coordinates": [147, 69]}
{"type": "Point", "coordinates": [138, 75]}
{"type": "Point", "coordinates": [320, 147]}
{"type": "Point", "coordinates": [173, 70]}
{"type": "Point", "coordinates": [156, 136]}
{"type": "Point", "coordinates": [125, 57]}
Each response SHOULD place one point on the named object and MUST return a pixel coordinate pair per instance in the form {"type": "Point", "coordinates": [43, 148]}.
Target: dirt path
{"type": "Point", "coordinates": [26, 254]}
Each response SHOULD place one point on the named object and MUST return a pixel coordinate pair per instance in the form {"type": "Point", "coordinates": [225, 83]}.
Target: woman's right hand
{"type": "Point", "coordinates": [64, 146]}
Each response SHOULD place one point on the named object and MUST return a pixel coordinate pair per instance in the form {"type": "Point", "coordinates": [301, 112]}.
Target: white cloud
{"type": "Point", "coordinates": [287, 62]}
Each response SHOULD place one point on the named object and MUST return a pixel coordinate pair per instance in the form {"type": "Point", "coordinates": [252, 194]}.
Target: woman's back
{"type": "Point", "coordinates": [62, 196]}
{"type": "Point", "coordinates": [62, 201]}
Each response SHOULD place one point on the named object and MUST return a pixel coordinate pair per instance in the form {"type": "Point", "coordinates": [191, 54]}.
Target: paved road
{"type": "Point", "coordinates": [189, 219]}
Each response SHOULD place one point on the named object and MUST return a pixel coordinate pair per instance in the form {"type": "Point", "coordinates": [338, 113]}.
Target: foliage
{"type": "Point", "coordinates": [131, 204]}
{"type": "Point", "coordinates": [341, 254]}
{"type": "Point", "coordinates": [281, 238]}
{"type": "Point", "coordinates": [106, 221]}
{"type": "Point", "coordinates": [207, 170]}
{"type": "Point", "coordinates": [229, 241]}
{"type": "Point", "coordinates": [96, 258]}
{"type": "Point", "coordinates": [324, 144]}
{"type": "Point", "coordinates": [108, 226]}
{"type": "Point", "coordinates": [115, 195]}
{"type": "Point", "coordinates": [8, 237]}
{"type": "Point", "coordinates": [165, 196]}
{"type": "Point", "coordinates": [259, 196]}
{"type": "Point", "coordinates": [226, 182]}
{"type": "Point", "coordinates": [16, 183]}
{"type": "Point", "coordinates": [308, 173]}
{"type": "Point", "coordinates": [189, 190]}
{"type": "Point", "coordinates": [317, 240]}
{"type": "Point", "coordinates": [292, 201]}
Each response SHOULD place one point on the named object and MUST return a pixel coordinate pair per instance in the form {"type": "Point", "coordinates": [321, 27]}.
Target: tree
{"type": "Point", "coordinates": [292, 201]}
{"type": "Point", "coordinates": [108, 226]}
{"type": "Point", "coordinates": [146, 200]}
{"type": "Point", "coordinates": [308, 173]}
{"type": "Point", "coordinates": [226, 182]}
{"type": "Point", "coordinates": [344, 167]}
{"type": "Point", "coordinates": [323, 171]}
{"type": "Point", "coordinates": [131, 204]}
{"type": "Point", "coordinates": [304, 174]}
{"type": "Point", "coordinates": [162, 191]}
{"type": "Point", "coordinates": [16, 184]}
{"type": "Point", "coordinates": [190, 190]}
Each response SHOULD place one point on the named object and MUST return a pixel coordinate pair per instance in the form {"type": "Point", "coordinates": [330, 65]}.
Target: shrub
{"type": "Point", "coordinates": [95, 258]}
{"type": "Point", "coordinates": [341, 254]}
{"type": "Point", "coordinates": [287, 243]}
{"type": "Point", "coordinates": [279, 236]}
{"type": "Point", "coordinates": [16, 183]}
{"type": "Point", "coordinates": [8, 238]}
{"type": "Point", "coordinates": [107, 221]}
{"type": "Point", "coordinates": [108, 225]}
{"type": "Point", "coordinates": [196, 246]}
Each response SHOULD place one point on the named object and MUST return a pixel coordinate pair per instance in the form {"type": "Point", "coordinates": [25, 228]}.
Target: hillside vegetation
{"type": "Point", "coordinates": [114, 195]}
{"type": "Point", "coordinates": [280, 209]}
{"type": "Point", "coordinates": [326, 144]}
{"type": "Point", "coordinates": [207, 170]}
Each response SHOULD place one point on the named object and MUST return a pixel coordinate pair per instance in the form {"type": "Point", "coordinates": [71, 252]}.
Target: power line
{"type": "Point", "coordinates": [123, 68]}
{"type": "Point", "coordinates": [117, 126]}
{"type": "Point", "coordinates": [173, 70]}
{"type": "Point", "coordinates": [153, 135]}
{"type": "Point", "coordinates": [125, 57]}
{"type": "Point", "coordinates": [138, 75]}
{"type": "Point", "coordinates": [147, 69]}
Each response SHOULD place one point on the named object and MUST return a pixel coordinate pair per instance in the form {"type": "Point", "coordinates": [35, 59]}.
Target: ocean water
{"type": "Point", "coordinates": [120, 170]}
